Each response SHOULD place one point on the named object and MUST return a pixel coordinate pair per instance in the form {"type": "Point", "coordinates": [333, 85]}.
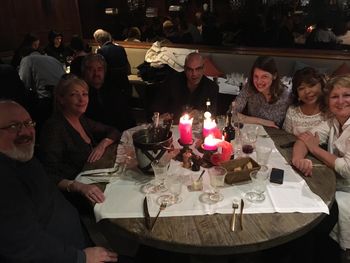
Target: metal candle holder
{"type": "Point", "coordinates": [206, 156]}
{"type": "Point", "coordinates": [185, 148]}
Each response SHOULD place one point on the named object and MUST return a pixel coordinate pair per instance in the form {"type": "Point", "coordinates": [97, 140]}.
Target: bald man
{"type": "Point", "coordinates": [36, 223]}
{"type": "Point", "coordinates": [189, 88]}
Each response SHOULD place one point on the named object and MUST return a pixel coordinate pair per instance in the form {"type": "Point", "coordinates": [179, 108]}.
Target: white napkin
{"type": "Point", "coordinates": [98, 175]}
{"type": "Point", "coordinates": [295, 196]}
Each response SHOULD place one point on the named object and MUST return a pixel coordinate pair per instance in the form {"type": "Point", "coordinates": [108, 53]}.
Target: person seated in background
{"type": "Point", "coordinates": [55, 48]}
{"type": "Point", "coordinates": [79, 51]}
{"type": "Point", "coordinates": [117, 61]}
{"type": "Point", "coordinates": [37, 223]}
{"type": "Point", "coordinates": [308, 106]}
{"type": "Point", "coordinates": [189, 88]}
{"type": "Point", "coordinates": [133, 35]}
{"type": "Point", "coordinates": [322, 37]}
{"type": "Point", "coordinates": [12, 87]}
{"type": "Point", "coordinates": [69, 139]}
{"type": "Point", "coordinates": [107, 103]}
{"type": "Point", "coordinates": [30, 42]}
{"type": "Point", "coordinates": [336, 133]}
{"type": "Point", "coordinates": [264, 99]}
{"type": "Point", "coordinates": [40, 74]}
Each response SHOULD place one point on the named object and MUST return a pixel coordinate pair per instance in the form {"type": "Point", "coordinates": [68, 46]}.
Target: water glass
{"type": "Point", "coordinates": [262, 154]}
{"type": "Point", "coordinates": [259, 181]}
{"type": "Point", "coordinates": [160, 169]}
{"type": "Point", "coordinates": [173, 183]}
{"type": "Point", "coordinates": [217, 176]}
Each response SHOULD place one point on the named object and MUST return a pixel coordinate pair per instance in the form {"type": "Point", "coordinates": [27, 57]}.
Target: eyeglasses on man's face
{"type": "Point", "coordinates": [17, 126]}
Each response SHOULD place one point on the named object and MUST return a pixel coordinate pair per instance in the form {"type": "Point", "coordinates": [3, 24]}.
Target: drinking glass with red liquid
{"type": "Point", "coordinates": [249, 138]}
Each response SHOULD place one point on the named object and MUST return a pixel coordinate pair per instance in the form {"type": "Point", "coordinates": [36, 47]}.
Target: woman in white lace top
{"type": "Point", "coordinates": [307, 110]}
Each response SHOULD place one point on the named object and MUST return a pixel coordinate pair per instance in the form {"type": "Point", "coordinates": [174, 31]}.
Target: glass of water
{"type": "Point", "coordinates": [259, 181]}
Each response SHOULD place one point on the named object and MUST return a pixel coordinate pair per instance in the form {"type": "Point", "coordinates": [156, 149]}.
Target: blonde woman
{"type": "Point", "coordinates": [336, 132]}
{"type": "Point", "coordinates": [69, 139]}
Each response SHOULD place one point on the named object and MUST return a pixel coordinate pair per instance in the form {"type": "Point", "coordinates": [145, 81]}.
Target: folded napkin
{"type": "Point", "coordinates": [98, 175]}
{"type": "Point", "coordinates": [296, 197]}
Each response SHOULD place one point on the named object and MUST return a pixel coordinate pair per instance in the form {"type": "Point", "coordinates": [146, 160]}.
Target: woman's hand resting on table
{"type": "Point", "coordinates": [311, 141]}
{"type": "Point", "coordinates": [268, 123]}
{"type": "Point", "coordinates": [303, 165]}
{"type": "Point", "coordinates": [99, 254]}
{"type": "Point", "coordinates": [99, 150]}
{"type": "Point", "coordinates": [90, 191]}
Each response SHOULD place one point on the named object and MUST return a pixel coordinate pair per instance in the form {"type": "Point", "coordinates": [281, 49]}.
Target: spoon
{"type": "Point", "coordinates": [200, 176]}
{"type": "Point", "coordinates": [233, 220]}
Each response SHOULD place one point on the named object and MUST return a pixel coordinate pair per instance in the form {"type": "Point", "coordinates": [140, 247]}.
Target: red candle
{"type": "Point", "coordinates": [209, 125]}
{"type": "Point", "coordinates": [210, 143]}
{"type": "Point", "coordinates": [185, 129]}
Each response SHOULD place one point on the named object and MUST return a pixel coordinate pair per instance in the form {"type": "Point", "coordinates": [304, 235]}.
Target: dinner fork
{"type": "Point", "coordinates": [161, 208]}
{"type": "Point", "coordinates": [233, 220]}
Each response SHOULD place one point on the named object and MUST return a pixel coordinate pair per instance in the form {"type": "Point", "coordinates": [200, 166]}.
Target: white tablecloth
{"type": "Point", "coordinates": [124, 197]}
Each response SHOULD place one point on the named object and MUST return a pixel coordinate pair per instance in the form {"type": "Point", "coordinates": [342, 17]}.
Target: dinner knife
{"type": "Point", "coordinates": [146, 214]}
{"type": "Point", "coordinates": [241, 214]}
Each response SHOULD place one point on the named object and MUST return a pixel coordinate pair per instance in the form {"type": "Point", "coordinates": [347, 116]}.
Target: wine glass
{"type": "Point", "coordinates": [160, 169]}
{"type": "Point", "coordinates": [173, 183]}
{"type": "Point", "coordinates": [259, 181]}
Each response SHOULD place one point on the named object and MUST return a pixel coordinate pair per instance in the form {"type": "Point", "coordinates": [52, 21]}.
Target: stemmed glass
{"type": "Point", "coordinates": [173, 183]}
{"type": "Point", "coordinates": [259, 181]}
{"type": "Point", "coordinates": [160, 168]}
{"type": "Point", "coordinates": [217, 179]}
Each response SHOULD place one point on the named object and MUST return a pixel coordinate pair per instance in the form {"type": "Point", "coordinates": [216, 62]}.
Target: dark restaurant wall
{"type": "Point", "coordinates": [19, 17]}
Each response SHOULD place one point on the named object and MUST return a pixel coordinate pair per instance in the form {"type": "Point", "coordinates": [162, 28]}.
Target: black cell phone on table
{"type": "Point", "coordinates": [276, 176]}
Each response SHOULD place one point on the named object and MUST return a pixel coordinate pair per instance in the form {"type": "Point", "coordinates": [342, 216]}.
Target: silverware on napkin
{"type": "Point", "coordinates": [241, 214]}
{"type": "Point", "coordinates": [146, 214]}
{"type": "Point", "coordinates": [233, 219]}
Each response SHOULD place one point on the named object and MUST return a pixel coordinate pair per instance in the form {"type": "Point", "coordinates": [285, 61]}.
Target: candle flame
{"type": "Point", "coordinates": [208, 124]}
{"type": "Point", "coordinates": [186, 119]}
{"type": "Point", "coordinates": [210, 140]}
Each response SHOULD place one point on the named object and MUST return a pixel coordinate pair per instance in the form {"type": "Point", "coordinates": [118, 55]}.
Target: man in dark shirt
{"type": "Point", "coordinates": [36, 223]}
{"type": "Point", "coordinates": [117, 61]}
{"type": "Point", "coordinates": [187, 89]}
{"type": "Point", "coordinates": [107, 103]}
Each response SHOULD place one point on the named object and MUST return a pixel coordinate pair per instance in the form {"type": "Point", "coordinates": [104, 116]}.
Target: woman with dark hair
{"type": "Point", "coordinates": [264, 99]}
{"type": "Point", "coordinates": [30, 43]}
{"type": "Point", "coordinates": [308, 106]}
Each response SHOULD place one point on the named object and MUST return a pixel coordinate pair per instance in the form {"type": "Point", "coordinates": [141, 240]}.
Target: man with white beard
{"type": "Point", "coordinates": [36, 223]}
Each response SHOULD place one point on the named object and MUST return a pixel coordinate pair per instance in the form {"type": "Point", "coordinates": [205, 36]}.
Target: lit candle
{"type": "Point", "coordinates": [210, 143]}
{"type": "Point", "coordinates": [209, 125]}
{"type": "Point", "coordinates": [185, 129]}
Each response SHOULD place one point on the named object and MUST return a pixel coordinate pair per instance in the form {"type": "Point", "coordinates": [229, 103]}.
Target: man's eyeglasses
{"type": "Point", "coordinates": [16, 127]}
